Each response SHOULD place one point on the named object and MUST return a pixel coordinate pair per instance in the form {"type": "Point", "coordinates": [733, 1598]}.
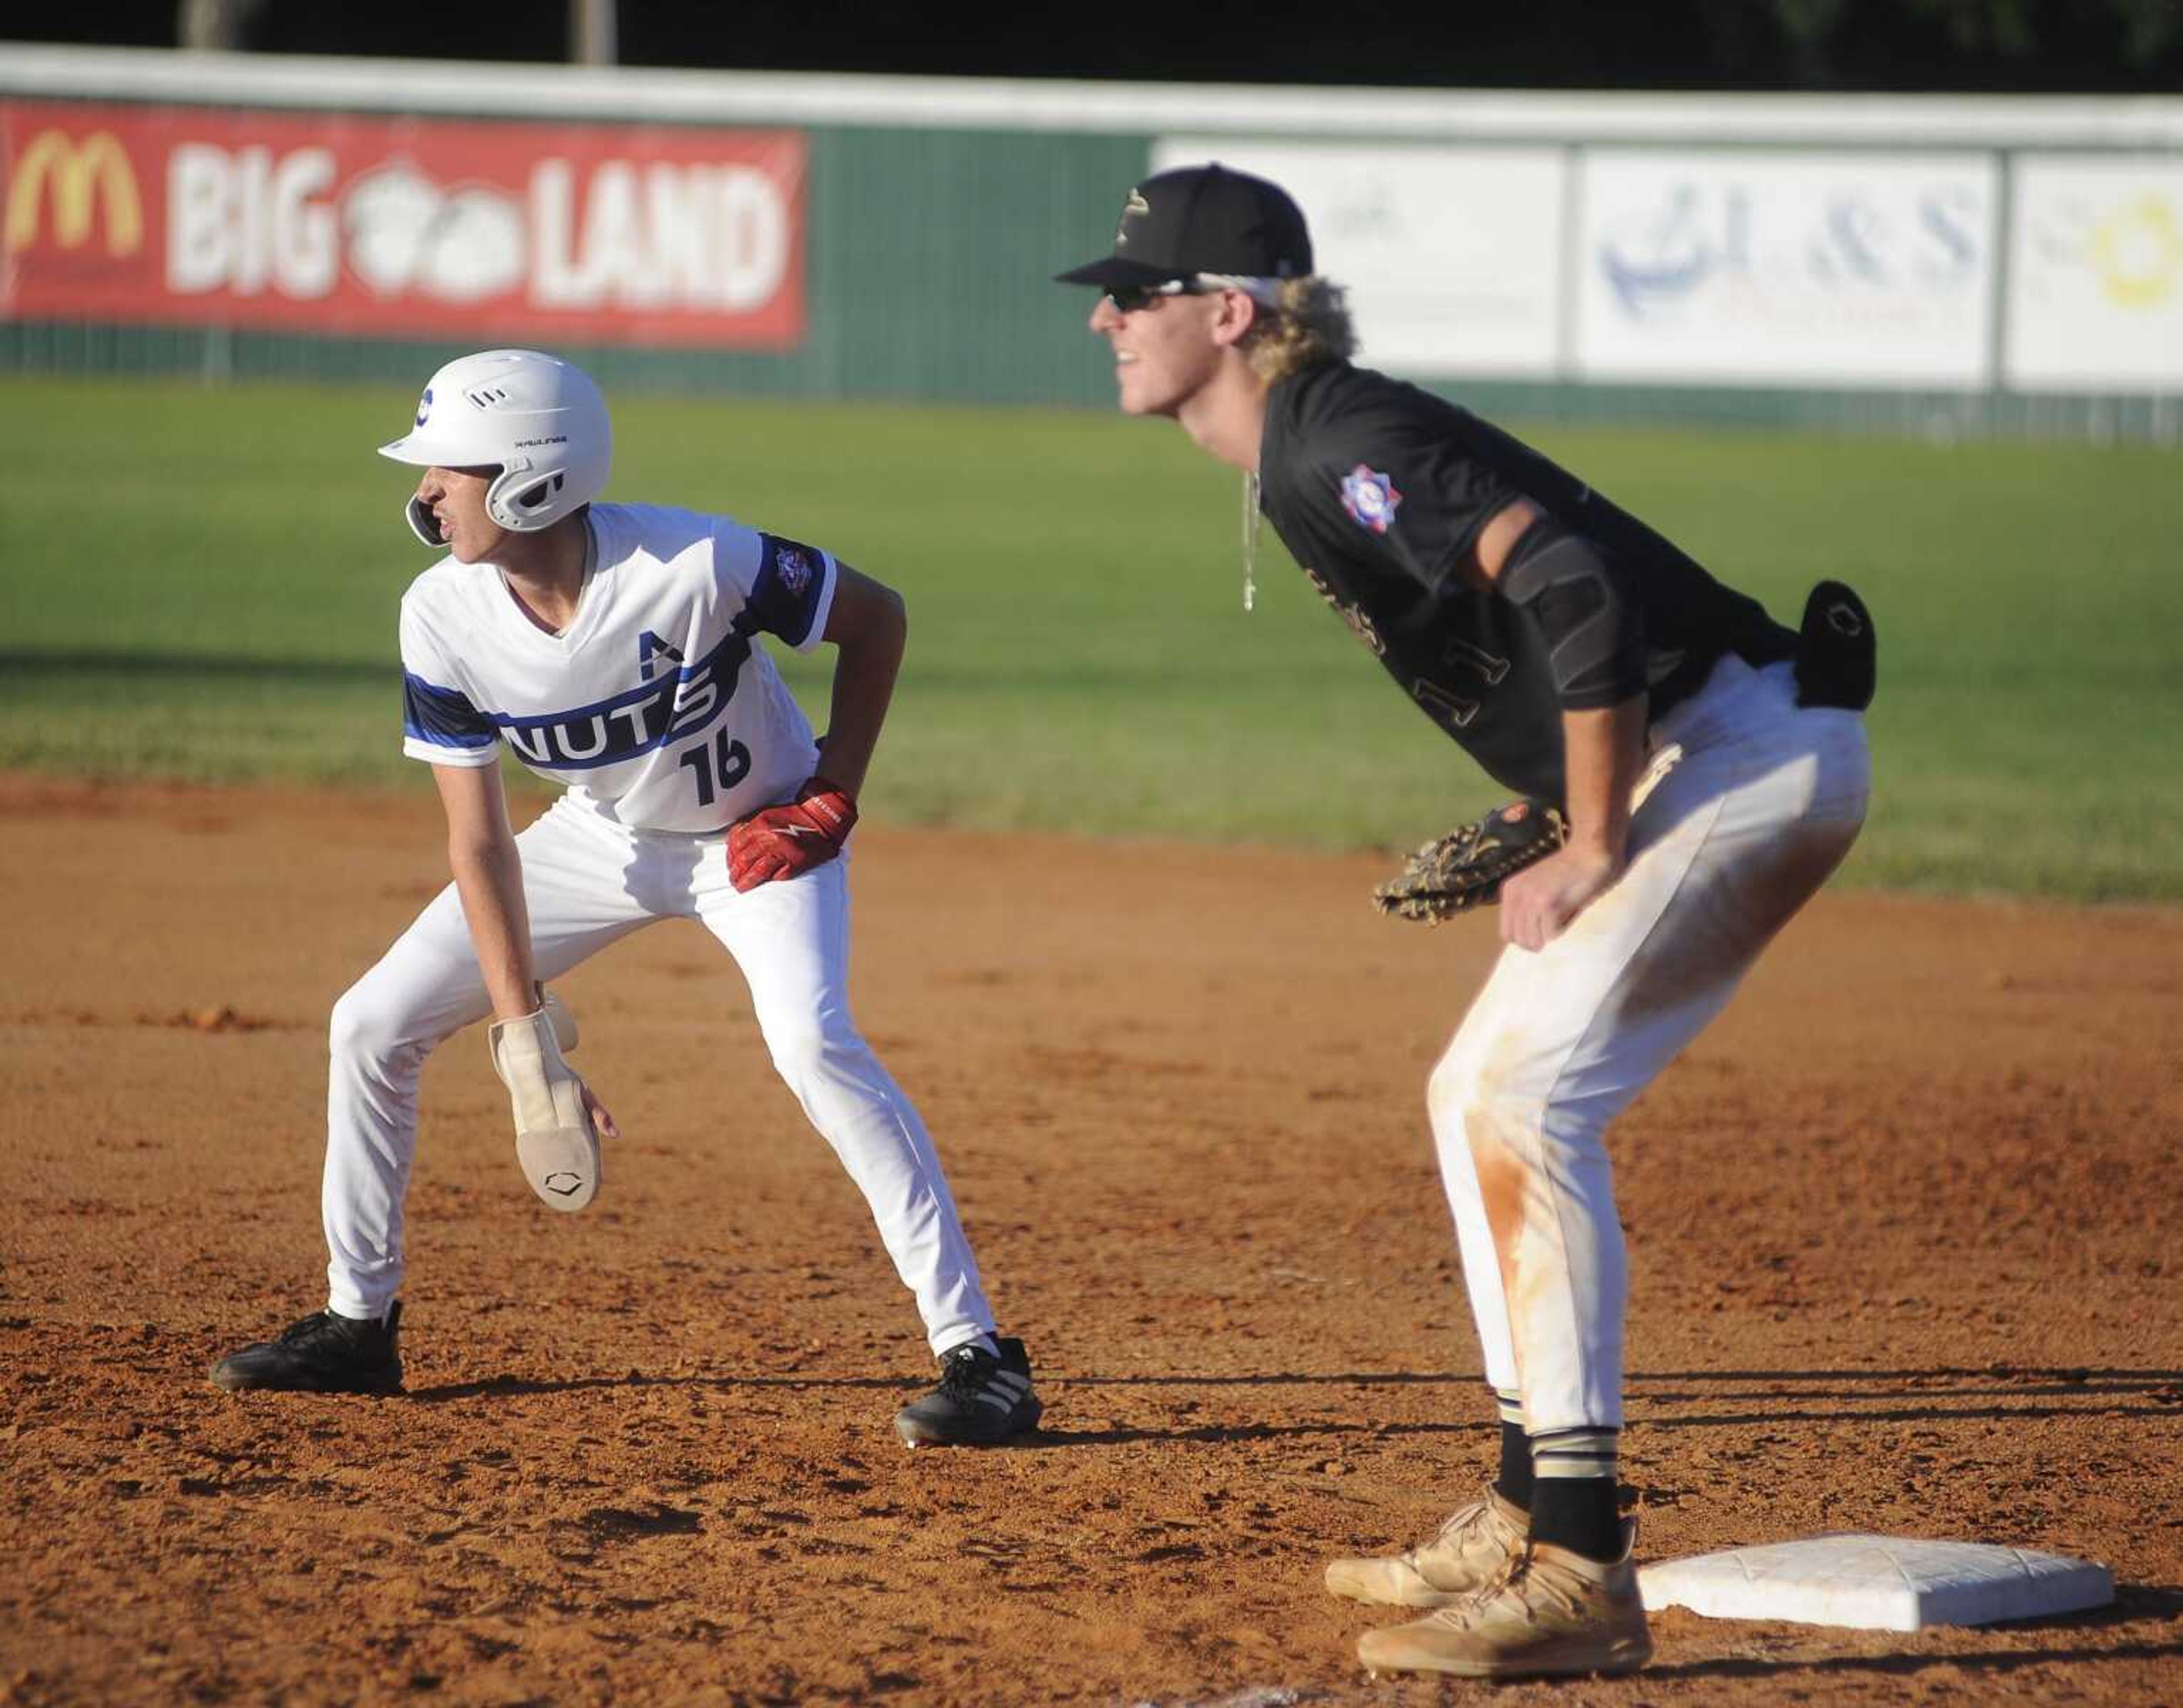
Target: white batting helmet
{"type": "Point", "coordinates": [539, 419]}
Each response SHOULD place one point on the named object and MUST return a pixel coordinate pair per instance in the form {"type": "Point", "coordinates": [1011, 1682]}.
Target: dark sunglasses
{"type": "Point", "coordinates": [1129, 299]}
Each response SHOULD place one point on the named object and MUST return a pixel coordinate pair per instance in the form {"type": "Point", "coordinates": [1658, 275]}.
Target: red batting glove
{"type": "Point", "coordinates": [790, 839]}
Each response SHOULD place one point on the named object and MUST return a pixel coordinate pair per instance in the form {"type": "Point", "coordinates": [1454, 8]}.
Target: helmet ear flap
{"type": "Point", "coordinates": [422, 522]}
{"type": "Point", "coordinates": [524, 497]}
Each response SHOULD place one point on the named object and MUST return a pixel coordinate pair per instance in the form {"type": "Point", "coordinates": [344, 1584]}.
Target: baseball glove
{"type": "Point", "coordinates": [1464, 869]}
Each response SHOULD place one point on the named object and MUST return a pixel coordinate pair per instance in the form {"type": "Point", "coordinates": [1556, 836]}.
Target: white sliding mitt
{"type": "Point", "coordinates": [555, 1139]}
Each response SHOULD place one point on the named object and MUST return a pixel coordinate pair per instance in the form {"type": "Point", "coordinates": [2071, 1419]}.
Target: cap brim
{"type": "Point", "coordinates": [1110, 271]}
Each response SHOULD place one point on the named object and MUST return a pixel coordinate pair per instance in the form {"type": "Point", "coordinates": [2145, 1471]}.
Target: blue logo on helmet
{"type": "Point", "coordinates": [424, 406]}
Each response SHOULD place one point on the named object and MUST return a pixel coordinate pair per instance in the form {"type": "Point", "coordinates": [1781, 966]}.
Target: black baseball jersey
{"type": "Point", "coordinates": [1378, 490]}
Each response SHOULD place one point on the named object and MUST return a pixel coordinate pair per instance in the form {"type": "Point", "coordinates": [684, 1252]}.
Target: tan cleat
{"type": "Point", "coordinates": [1553, 1612]}
{"type": "Point", "coordinates": [1468, 1552]}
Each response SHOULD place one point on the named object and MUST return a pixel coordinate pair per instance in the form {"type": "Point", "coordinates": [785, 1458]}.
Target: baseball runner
{"type": "Point", "coordinates": [1708, 768]}
{"type": "Point", "coordinates": [614, 649]}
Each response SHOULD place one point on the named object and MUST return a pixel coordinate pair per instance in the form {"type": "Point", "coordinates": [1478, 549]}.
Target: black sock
{"type": "Point", "coordinates": [1577, 1513]}
{"type": "Point", "coordinates": [1573, 1497]}
{"type": "Point", "coordinates": [1514, 1480]}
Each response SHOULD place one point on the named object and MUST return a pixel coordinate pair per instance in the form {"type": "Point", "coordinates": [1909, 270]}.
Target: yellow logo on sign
{"type": "Point", "coordinates": [2138, 252]}
{"type": "Point", "coordinates": [84, 174]}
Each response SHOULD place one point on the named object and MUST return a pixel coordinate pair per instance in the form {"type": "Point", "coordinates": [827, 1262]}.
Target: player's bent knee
{"type": "Point", "coordinates": [807, 1056]}
{"type": "Point", "coordinates": [353, 1029]}
{"type": "Point", "coordinates": [1449, 1090]}
{"type": "Point", "coordinates": [365, 1027]}
{"type": "Point", "coordinates": [797, 1063]}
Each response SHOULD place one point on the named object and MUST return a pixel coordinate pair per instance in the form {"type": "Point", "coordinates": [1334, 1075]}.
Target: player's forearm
{"type": "Point", "coordinates": [1603, 753]}
{"type": "Point", "coordinates": [489, 877]}
{"type": "Point", "coordinates": [865, 672]}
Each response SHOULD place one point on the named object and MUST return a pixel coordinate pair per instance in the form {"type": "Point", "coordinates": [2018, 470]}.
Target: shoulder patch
{"type": "Point", "coordinates": [793, 566]}
{"type": "Point", "coordinates": [1370, 498]}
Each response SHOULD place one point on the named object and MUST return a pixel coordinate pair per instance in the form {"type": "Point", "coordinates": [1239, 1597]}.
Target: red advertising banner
{"type": "Point", "coordinates": [342, 224]}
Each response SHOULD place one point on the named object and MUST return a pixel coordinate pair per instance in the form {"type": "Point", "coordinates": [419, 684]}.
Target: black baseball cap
{"type": "Point", "coordinates": [1201, 219]}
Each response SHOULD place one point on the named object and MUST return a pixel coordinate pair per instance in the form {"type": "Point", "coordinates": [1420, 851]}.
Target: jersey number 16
{"type": "Point", "coordinates": [730, 761]}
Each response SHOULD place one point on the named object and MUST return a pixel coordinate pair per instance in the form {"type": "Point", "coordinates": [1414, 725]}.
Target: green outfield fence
{"type": "Point", "coordinates": [935, 211]}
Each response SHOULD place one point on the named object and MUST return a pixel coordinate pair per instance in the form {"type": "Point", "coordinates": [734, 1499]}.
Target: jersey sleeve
{"type": "Point", "coordinates": [1416, 491]}
{"type": "Point", "coordinates": [439, 723]}
{"type": "Point", "coordinates": [785, 587]}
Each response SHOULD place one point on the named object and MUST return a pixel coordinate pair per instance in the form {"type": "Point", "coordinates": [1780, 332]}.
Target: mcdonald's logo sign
{"type": "Point", "coordinates": [85, 174]}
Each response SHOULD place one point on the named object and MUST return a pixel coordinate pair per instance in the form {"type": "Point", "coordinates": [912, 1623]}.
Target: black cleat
{"type": "Point", "coordinates": [323, 1354]}
{"type": "Point", "coordinates": [980, 1400]}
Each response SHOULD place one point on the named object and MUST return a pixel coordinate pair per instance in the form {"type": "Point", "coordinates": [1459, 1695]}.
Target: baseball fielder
{"type": "Point", "coordinates": [1588, 664]}
{"type": "Point", "coordinates": [614, 649]}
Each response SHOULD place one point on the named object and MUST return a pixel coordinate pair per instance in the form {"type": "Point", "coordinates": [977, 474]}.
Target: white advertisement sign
{"type": "Point", "coordinates": [2096, 275]}
{"type": "Point", "coordinates": [1451, 255]}
{"type": "Point", "coordinates": [1754, 268]}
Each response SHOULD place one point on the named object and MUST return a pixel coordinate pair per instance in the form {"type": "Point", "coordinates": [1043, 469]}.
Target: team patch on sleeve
{"type": "Point", "coordinates": [793, 585]}
{"type": "Point", "coordinates": [444, 717]}
{"type": "Point", "coordinates": [1370, 498]}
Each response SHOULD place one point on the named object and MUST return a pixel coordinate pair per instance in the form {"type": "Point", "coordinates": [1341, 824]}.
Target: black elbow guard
{"type": "Point", "coordinates": [1594, 627]}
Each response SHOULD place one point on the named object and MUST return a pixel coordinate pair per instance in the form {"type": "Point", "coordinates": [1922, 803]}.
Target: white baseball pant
{"type": "Point", "coordinates": [1749, 804]}
{"type": "Point", "coordinates": [588, 882]}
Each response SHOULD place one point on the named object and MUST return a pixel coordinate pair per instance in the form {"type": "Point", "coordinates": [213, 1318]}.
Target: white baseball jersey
{"type": "Point", "coordinates": [656, 706]}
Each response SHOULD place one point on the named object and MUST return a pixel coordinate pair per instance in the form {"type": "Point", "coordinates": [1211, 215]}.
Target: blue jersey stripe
{"type": "Point", "coordinates": [636, 721]}
{"type": "Point", "coordinates": [443, 716]}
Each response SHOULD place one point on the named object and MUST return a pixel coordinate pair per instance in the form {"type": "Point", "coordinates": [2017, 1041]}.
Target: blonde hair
{"type": "Point", "coordinates": [1306, 327]}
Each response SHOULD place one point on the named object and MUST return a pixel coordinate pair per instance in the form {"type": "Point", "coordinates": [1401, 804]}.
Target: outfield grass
{"type": "Point", "coordinates": [204, 584]}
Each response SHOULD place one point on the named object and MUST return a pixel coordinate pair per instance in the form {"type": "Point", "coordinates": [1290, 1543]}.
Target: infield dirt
{"type": "Point", "coordinates": [1902, 1231]}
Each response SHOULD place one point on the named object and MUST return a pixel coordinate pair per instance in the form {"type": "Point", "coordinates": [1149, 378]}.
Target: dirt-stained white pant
{"type": "Point", "coordinates": [1749, 804]}
{"type": "Point", "coordinates": [588, 882]}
